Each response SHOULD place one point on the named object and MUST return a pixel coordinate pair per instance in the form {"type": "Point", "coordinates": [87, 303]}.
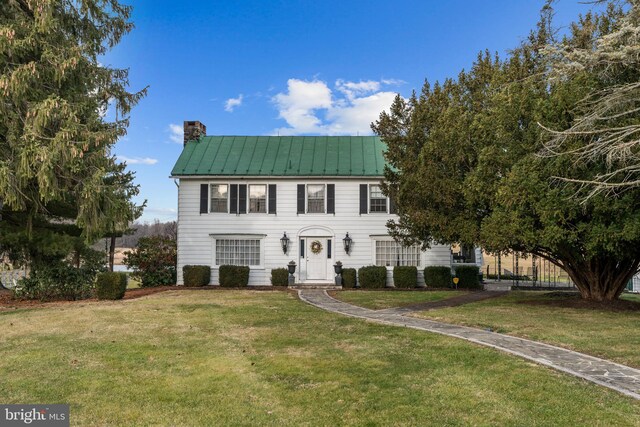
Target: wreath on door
{"type": "Point", "coordinates": [316, 247]}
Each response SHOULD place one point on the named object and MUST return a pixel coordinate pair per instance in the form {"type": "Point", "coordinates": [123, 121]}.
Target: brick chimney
{"type": "Point", "coordinates": [193, 130]}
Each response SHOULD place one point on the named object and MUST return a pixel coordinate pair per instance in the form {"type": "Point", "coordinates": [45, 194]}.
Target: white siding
{"type": "Point", "coordinates": [195, 230]}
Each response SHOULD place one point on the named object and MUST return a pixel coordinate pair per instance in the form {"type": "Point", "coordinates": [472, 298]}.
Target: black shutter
{"type": "Point", "coordinates": [300, 198]}
{"type": "Point", "coordinates": [233, 202]}
{"type": "Point", "coordinates": [392, 206]}
{"type": "Point", "coordinates": [363, 198]}
{"type": "Point", "coordinates": [242, 198]}
{"type": "Point", "coordinates": [204, 196]}
{"type": "Point", "coordinates": [272, 198]}
{"type": "Point", "coordinates": [331, 199]}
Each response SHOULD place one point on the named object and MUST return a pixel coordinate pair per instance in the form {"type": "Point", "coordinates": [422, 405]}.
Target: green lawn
{"type": "Point", "coordinates": [613, 335]}
{"type": "Point", "coordinates": [252, 358]}
{"type": "Point", "coordinates": [631, 297]}
{"type": "Point", "coordinates": [132, 283]}
{"type": "Point", "coordinates": [377, 300]}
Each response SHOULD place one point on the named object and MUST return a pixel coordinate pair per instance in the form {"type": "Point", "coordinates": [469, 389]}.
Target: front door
{"type": "Point", "coordinates": [316, 256]}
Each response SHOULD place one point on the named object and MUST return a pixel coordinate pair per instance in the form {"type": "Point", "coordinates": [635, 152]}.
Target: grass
{"type": "Point", "coordinates": [377, 300]}
{"type": "Point", "coordinates": [631, 297]}
{"type": "Point", "coordinates": [132, 283]}
{"type": "Point", "coordinates": [613, 335]}
{"type": "Point", "coordinates": [265, 358]}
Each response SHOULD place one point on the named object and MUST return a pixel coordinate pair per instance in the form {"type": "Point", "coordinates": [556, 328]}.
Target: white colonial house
{"type": "Point", "coordinates": [239, 196]}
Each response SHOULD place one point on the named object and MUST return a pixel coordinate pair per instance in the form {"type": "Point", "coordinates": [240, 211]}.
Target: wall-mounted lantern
{"type": "Point", "coordinates": [347, 244]}
{"type": "Point", "coordinates": [284, 242]}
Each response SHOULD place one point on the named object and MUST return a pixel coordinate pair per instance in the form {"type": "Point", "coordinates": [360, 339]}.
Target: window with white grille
{"type": "Point", "coordinates": [377, 200]}
{"type": "Point", "coordinates": [219, 194]}
{"type": "Point", "coordinates": [238, 252]}
{"type": "Point", "coordinates": [391, 253]}
{"type": "Point", "coordinates": [315, 198]}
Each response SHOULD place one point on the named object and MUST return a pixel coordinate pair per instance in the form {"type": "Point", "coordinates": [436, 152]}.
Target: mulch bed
{"type": "Point", "coordinates": [8, 302]}
{"type": "Point", "coordinates": [574, 300]}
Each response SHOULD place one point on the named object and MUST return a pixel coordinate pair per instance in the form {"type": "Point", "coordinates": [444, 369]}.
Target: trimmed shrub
{"type": "Point", "coordinates": [437, 277]}
{"type": "Point", "coordinates": [196, 275]}
{"type": "Point", "coordinates": [111, 285]}
{"type": "Point", "coordinates": [279, 277]}
{"type": "Point", "coordinates": [348, 277]}
{"type": "Point", "coordinates": [405, 276]}
{"type": "Point", "coordinates": [372, 276]}
{"type": "Point", "coordinates": [56, 280]}
{"type": "Point", "coordinates": [469, 276]}
{"type": "Point", "coordinates": [233, 276]}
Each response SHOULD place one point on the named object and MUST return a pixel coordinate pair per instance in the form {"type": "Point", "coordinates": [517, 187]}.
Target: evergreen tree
{"type": "Point", "coordinates": [607, 118]}
{"type": "Point", "coordinates": [59, 184]}
{"type": "Point", "coordinates": [54, 139]}
{"type": "Point", "coordinates": [465, 168]}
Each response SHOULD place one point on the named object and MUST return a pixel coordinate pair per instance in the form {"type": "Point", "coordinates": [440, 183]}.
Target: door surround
{"type": "Point", "coordinates": [310, 234]}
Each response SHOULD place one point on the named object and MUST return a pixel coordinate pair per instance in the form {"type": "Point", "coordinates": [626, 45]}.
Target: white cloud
{"type": "Point", "coordinates": [312, 107]}
{"type": "Point", "coordinates": [356, 117]}
{"type": "Point", "coordinates": [352, 89]}
{"type": "Point", "coordinates": [392, 82]}
{"type": "Point", "coordinates": [298, 106]}
{"type": "Point", "coordinates": [233, 103]}
{"type": "Point", "coordinates": [138, 160]}
{"type": "Point", "coordinates": [176, 133]}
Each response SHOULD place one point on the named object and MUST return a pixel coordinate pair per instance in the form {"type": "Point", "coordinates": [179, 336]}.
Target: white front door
{"type": "Point", "coordinates": [316, 256]}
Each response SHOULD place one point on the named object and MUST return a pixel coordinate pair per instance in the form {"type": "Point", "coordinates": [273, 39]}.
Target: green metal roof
{"type": "Point", "coordinates": [282, 156]}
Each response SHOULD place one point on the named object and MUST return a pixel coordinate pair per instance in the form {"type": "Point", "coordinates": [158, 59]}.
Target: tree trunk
{"type": "Point", "coordinates": [602, 279]}
{"type": "Point", "coordinates": [112, 251]}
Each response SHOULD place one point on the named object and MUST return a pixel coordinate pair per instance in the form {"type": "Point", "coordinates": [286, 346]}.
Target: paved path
{"type": "Point", "coordinates": [621, 378]}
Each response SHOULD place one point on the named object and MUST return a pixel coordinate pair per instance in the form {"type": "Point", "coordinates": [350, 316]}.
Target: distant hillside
{"type": "Point", "coordinates": [139, 230]}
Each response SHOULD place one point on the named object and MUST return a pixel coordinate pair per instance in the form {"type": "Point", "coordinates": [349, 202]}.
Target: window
{"type": "Point", "coordinates": [258, 198]}
{"type": "Point", "coordinates": [377, 200]}
{"type": "Point", "coordinates": [237, 251]}
{"type": "Point", "coordinates": [315, 198]}
{"type": "Point", "coordinates": [219, 196]}
{"type": "Point", "coordinates": [391, 253]}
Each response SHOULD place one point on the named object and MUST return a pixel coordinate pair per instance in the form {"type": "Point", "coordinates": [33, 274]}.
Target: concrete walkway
{"type": "Point", "coordinates": [618, 377]}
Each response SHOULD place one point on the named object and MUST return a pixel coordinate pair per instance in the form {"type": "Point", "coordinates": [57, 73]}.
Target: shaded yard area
{"type": "Point", "coordinates": [631, 297]}
{"type": "Point", "coordinates": [557, 318]}
{"type": "Point", "coordinates": [265, 358]}
{"type": "Point", "coordinates": [380, 299]}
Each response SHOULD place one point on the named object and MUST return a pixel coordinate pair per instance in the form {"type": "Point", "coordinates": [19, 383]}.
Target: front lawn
{"type": "Point", "coordinates": [541, 316]}
{"type": "Point", "coordinates": [631, 297]}
{"type": "Point", "coordinates": [215, 357]}
{"type": "Point", "coordinates": [377, 300]}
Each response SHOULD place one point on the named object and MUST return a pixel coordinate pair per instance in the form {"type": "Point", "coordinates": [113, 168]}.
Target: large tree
{"type": "Point", "coordinates": [55, 139]}
{"type": "Point", "coordinates": [608, 116]}
{"type": "Point", "coordinates": [59, 183]}
{"type": "Point", "coordinates": [465, 168]}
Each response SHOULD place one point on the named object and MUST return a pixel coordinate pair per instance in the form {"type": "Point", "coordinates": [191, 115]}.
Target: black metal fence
{"type": "Point", "coordinates": [526, 271]}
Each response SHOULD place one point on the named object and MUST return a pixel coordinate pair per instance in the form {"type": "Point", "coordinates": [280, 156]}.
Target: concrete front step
{"type": "Point", "coordinates": [326, 286]}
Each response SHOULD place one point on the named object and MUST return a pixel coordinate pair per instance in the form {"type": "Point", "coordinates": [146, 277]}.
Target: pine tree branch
{"type": "Point", "coordinates": [24, 7]}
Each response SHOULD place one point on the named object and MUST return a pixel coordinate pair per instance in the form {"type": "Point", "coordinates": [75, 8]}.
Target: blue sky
{"type": "Point", "coordinates": [293, 67]}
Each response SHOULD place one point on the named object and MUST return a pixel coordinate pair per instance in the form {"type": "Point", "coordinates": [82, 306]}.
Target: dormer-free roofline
{"type": "Point", "coordinates": [282, 156]}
